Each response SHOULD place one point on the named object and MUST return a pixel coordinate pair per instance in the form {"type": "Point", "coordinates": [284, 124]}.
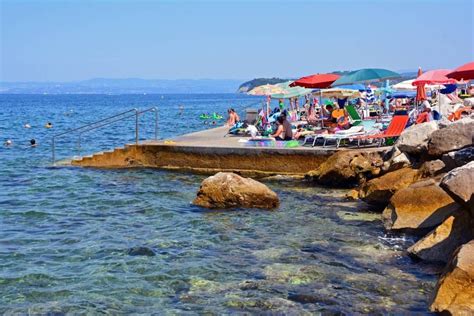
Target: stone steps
{"type": "Point", "coordinates": [98, 158]}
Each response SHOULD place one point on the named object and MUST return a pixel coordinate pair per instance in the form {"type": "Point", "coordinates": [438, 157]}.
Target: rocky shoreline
{"type": "Point", "coordinates": [423, 185]}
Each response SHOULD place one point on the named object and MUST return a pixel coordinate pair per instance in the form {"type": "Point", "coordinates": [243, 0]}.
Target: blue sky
{"type": "Point", "coordinates": [77, 40]}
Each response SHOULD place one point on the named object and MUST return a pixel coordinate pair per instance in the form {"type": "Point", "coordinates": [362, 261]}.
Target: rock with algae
{"type": "Point", "coordinates": [294, 274]}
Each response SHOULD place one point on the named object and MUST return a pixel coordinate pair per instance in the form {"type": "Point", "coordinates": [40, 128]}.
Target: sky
{"type": "Point", "coordinates": [79, 40]}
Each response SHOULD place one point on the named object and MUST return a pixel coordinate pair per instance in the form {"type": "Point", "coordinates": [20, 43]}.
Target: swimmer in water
{"type": "Point", "coordinates": [181, 109]}
{"type": "Point", "coordinates": [27, 125]}
{"type": "Point", "coordinates": [48, 125]}
{"type": "Point", "coordinates": [8, 143]}
{"type": "Point", "coordinates": [33, 142]}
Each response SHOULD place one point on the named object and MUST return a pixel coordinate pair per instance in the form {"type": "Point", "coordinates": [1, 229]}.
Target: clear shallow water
{"type": "Point", "coordinates": [65, 232]}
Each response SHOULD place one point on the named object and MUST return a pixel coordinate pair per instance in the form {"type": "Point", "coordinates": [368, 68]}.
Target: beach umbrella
{"type": "Point", "coordinates": [404, 85]}
{"type": "Point", "coordinates": [464, 72]}
{"type": "Point", "coordinates": [408, 86]}
{"type": "Point", "coordinates": [437, 76]}
{"type": "Point", "coordinates": [290, 91]}
{"type": "Point", "coordinates": [402, 94]}
{"type": "Point", "coordinates": [318, 81]}
{"type": "Point", "coordinates": [365, 76]}
{"type": "Point", "coordinates": [355, 86]}
{"type": "Point", "coordinates": [266, 90]}
{"type": "Point", "coordinates": [338, 93]}
{"type": "Point", "coordinates": [420, 89]}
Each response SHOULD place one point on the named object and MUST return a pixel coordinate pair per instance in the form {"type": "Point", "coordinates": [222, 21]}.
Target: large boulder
{"type": "Point", "coordinates": [458, 158]}
{"type": "Point", "coordinates": [395, 159]}
{"type": "Point", "coordinates": [226, 190]}
{"type": "Point", "coordinates": [346, 168]}
{"type": "Point", "coordinates": [378, 191]}
{"type": "Point", "coordinates": [440, 243]}
{"type": "Point", "coordinates": [459, 183]}
{"type": "Point", "coordinates": [432, 168]}
{"type": "Point", "coordinates": [414, 139]}
{"type": "Point", "coordinates": [453, 137]}
{"type": "Point", "coordinates": [418, 208]}
{"type": "Point", "coordinates": [454, 292]}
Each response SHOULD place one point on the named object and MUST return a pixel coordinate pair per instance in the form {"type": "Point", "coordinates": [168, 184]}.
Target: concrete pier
{"type": "Point", "coordinates": [211, 151]}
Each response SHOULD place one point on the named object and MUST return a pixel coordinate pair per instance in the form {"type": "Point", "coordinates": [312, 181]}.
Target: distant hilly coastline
{"type": "Point", "coordinates": [147, 86]}
{"type": "Point", "coordinates": [123, 86]}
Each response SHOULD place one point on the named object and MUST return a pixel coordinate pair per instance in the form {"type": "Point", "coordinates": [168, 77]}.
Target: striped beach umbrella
{"type": "Point", "coordinates": [267, 90]}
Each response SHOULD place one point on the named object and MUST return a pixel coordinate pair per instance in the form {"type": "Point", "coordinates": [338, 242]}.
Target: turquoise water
{"type": "Point", "coordinates": [66, 232]}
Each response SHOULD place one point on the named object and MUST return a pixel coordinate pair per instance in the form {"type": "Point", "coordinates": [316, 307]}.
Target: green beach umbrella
{"type": "Point", "coordinates": [366, 75]}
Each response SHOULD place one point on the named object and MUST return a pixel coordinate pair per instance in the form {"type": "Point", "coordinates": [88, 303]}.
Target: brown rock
{"type": "Point", "coordinates": [432, 168]}
{"type": "Point", "coordinates": [226, 190]}
{"type": "Point", "coordinates": [455, 289]}
{"type": "Point", "coordinates": [378, 191]}
{"type": "Point", "coordinates": [453, 137]}
{"type": "Point", "coordinates": [418, 207]}
{"type": "Point", "coordinates": [346, 168]}
{"type": "Point", "coordinates": [440, 244]}
{"type": "Point", "coordinates": [459, 183]}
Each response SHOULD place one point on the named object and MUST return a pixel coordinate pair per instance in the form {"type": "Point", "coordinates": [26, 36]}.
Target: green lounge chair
{"type": "Point", "coordinates": [354, 116]}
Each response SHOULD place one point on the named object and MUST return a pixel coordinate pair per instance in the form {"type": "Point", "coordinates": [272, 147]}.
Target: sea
{"type": "Point", "coordinates": [77, 241]}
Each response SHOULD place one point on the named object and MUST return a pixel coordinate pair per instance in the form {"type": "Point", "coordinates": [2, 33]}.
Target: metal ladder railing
{"type": "Point", "coordinates": [104, 122]}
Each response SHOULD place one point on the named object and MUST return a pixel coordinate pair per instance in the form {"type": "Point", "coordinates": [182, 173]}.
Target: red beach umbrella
{"type": "Point", "coordinates": [318, 81]}
{"type": "Point", "coordinates": [464, 72]}
{"type": "Point", "coordinates": [434, 77]}
{"type": "Point", "coordinates": [420, 89]}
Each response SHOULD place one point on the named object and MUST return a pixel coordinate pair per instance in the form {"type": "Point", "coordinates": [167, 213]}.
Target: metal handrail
{"type": "Point", "coordinates": [96, 122]}
{"type": "Point", "coordinates": [93, 126]}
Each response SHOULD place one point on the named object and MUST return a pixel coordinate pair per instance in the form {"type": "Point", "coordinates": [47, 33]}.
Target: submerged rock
{"type": "Point", "coordinates": [227, 190]}
{"type": "Point", "coordinates": [312, 298]}
{"type": "Point", "coordinates": [292, 273]}
{"type": "Point", "coordinates": [420, 206]}
{"type": "Point", "coordinates": [275, 304]}
{"type": "Point", "coordinates": [414, 139]}
{"type": "Point", "coordinates": [379, 191]}
{"type": "Point", "coordinates": [352, 195]}
{"type": "Point", "coordinates": [440, 244]}
{"type": "Point", "coordinates": [270, 253]}
{"type": "Point", "coordinates": [346, 168]}
{"type": "Point", "coordinates": [459, 183]}
{"type": "Point", "coordinates": [359, 216]}
{"type": "Point", "coordinates": [453, 137]}
{"type": "Point", "coordinates": [140, 251]}
{"type": "Point", "coordinates": [455, 289]}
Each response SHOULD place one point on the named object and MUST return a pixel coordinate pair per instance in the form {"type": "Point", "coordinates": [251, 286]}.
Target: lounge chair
{"type": "Point", "coordinates": [251, 116]}
{"type": "Point", "coordinates": [394, 129]}
{"type": "Point", "coordinates": [354, 116]}
{"type": "Point", "coordinates": [350, 133]}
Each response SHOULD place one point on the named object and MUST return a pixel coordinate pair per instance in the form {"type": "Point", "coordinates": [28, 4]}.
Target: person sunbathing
{"type": "Point", "coordinates": [460, 113]}
{"type": "Point", "coordinates": [283, 131]}
{"type": "Point", "coordinates": [424, 116]}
